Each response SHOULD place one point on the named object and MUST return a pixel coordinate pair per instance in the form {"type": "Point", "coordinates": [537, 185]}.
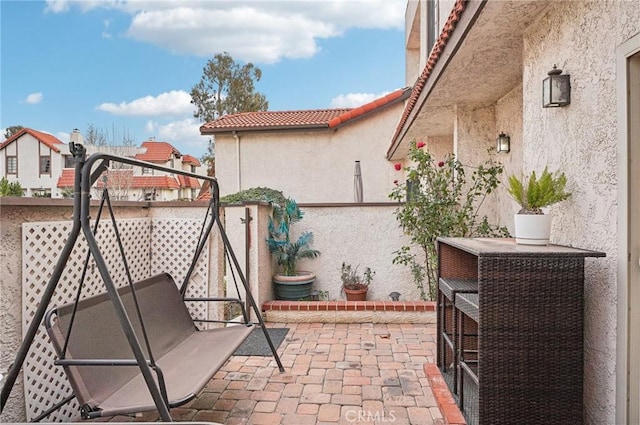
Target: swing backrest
{"type": "Point", "coordinates": [97, 334]}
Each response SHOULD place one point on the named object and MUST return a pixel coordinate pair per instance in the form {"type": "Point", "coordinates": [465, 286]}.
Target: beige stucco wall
{"type": "Point", "coordinates": [359, 235]}
{"type": "Point", "coordinates": [581, 38]}
{"type": "Point", "coordinates": [313, 166]}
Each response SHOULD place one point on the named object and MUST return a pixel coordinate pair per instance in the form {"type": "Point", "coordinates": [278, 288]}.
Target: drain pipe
{"type": "Point", "coordinates": [235, 136]}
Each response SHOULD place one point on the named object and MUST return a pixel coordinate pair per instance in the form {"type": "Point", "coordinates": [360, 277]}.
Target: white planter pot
{"type": "Point", "coordinates": [532, 229]}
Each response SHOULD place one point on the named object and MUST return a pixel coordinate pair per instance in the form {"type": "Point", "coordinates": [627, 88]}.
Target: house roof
{"type": "Point", "coordinates": [188, 159]}
{"type": "Point", "coordinates": [48, 139]}
{"type": "Point", "coordinates": [435, 55]}
{"type": "Point", "coordinates": [186, 181]}
{"type": "Point", "coordinates": [66, 179]}
{"type": "Point", "coordinates": [302, 119]}
{"type": "Point", "coordinates": [157, 151]}
{"type": "Point", "coordinates": [126, 178]}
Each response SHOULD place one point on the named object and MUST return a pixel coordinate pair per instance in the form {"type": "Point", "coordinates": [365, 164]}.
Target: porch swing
{"type": "Point", "coordinates": [135, 348]}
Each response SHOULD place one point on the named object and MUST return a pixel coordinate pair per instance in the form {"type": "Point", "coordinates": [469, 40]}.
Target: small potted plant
{"type": "Point", "coordinates": [290, 284]}
{"type": "Point", "coordinates": [532, 225]}
{"type": "Point", "coordinates": [354, 285]}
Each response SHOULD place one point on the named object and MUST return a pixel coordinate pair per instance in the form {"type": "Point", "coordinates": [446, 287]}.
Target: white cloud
{"type": "Point", "coordinates": [183, 134]}
{"type": "Point", "coordinates": [258, 31]}
{"type": "Point", "coordinates": [353, 100]}
{"type": "Point", "coordinates": [173, 103]}
{"type": "Point", "coordinates": [34, 98]}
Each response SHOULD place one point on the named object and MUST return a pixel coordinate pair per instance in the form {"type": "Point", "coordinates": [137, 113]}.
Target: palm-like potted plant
{"type": "Point", "coordinates": [290, 283]}
{"type": "Point", "coordinates": [354, 285]}
{"type": "Point", "coordinates": [532, 225]}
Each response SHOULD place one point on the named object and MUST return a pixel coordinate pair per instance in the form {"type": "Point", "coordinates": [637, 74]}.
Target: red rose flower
{"type": "Point", "coordinates": [441, 164]}
{"type": "Point", "coordinates": [397, 166]}
{"type": "Point", "coordinates": [421, 145]}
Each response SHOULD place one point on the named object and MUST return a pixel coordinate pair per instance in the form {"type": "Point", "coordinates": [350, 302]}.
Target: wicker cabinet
{"type": "Point", "coordinates": [525, 346]}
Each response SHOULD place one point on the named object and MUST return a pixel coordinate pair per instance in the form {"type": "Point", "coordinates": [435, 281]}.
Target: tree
{"type": "Point", "coordinates": [8, 188]}
{"type": "Point", "coordinates": [11, 130]}
{"type": "Point", "coordinates": [227, 88]}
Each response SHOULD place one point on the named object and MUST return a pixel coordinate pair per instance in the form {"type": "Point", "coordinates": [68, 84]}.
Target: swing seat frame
{"type": "Point", "coordinates": [134, 348]}
{"type": "Point", "coordinates": [186, 358]}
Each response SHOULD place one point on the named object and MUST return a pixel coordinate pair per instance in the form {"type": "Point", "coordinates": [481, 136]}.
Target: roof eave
{"type": "Point", "coordinates": [244, 129]}
{"type": "Point", "coordinates": [464, 24]}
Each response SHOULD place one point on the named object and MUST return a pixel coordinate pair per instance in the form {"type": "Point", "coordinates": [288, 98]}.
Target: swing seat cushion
{"type": "Point", "coordinates": [187, 357]}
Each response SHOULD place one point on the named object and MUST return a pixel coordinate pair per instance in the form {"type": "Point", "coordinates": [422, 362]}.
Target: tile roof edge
{"type": "Point", "coordinates": [377, 104]}
{"type": "Point", "coordinates": [35, 133]}
{"type": "Point", "coordinates": [436, 52]}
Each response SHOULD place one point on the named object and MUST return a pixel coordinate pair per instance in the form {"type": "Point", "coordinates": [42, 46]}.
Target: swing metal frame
{"type": "Point", "coordinates": [87, 171]}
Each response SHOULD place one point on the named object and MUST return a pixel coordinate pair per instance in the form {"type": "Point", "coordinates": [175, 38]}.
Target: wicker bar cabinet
{"type": "Point", "coordinates": [523, 350]}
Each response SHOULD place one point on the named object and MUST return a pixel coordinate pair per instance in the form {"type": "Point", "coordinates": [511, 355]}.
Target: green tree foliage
{"type": "Point", "coordinates": [225, 87]}
{"type": "Point", "coordinates": [11, 130]}
{"type": "Point", "coordinates": [256, 194]}
{"type": "Point", "coordinates": [8, 188]}
{"type": "Point", "coordinates": [439, 201]}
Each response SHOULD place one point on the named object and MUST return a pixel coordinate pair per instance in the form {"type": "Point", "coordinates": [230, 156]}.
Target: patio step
{"type": "Point", "coordinates": [349, 311]}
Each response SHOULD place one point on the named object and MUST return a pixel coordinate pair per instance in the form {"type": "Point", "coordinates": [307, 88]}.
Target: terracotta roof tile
{"type": "Point", "coordinates": [66, 179]}
{"type": "Point", "coordinates": [157, 151]}
{"type": "Point", "coordinates": [48, 139]}
{"type": "Point", "coordinates": [304, 119]}
{"type": "Point", "coordinates": [186, 181]}
{"type": "Point", "coordinates": [158, 182]}
{"type": "Point", "coordinates": [436, 52]}
{"type": "Point", "coordinates": [125, 178]}
{"type": "Point", "coordinates": [188, 159]}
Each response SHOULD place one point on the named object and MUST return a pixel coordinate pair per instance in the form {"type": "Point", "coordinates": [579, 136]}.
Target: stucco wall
{"type": "Point", "coordinates": [508, 112]}
{"type": "Point", "coordinates": [581, 38]}
{"type": "Point", "coordinates": [359, 235]}
{"type": "Point", "coordinates": [313, 166]}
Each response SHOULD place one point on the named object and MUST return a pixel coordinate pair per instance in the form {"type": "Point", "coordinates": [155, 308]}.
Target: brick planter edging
{"type": "Point", "coordinates": [349, 306]}
{"type": "Point", "coordinates": [444, 399]}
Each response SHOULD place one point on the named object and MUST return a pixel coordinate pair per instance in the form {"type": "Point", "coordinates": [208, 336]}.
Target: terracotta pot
{"type": "Point", "coordinates": [356, 294]}
{"type": "Point", "coordinates": [532, 229]}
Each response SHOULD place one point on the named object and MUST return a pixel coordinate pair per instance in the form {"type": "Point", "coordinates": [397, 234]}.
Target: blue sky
{"type": "Point", "coordinates": [127, 66]}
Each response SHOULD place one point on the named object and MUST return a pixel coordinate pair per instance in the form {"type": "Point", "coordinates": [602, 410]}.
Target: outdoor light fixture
{"type": "Point", "coordinates": [503, 143]}
{"type": "Point", "coordinates": [556, 89]}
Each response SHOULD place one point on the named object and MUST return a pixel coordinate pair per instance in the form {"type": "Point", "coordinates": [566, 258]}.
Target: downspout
{"type": "Point", "coordinates": [235, 136]}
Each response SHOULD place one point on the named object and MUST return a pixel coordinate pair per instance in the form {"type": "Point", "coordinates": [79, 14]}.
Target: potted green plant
{"type": "Point", "coordinates": [532, 225]}
{"type": "Point", "coordinates": [290, 283]}
{"type": "Point", "coordinates": [354, 285]}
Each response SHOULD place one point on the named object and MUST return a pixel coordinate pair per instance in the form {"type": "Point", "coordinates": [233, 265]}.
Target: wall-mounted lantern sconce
{"type": "Point", "coordinates": [556, 89]}
{"type": "Point", "coordinates": [503, 143]}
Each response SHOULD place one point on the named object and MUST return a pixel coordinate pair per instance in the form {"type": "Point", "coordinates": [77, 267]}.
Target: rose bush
{"type": "Point", "coordinates": [438, 201]}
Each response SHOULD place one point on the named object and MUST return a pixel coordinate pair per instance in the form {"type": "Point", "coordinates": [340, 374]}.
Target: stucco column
{"type": "Point", "coordinates": [474, 133]}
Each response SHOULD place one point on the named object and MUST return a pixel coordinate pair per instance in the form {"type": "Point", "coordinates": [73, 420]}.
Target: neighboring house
{"type": "Point", "coordinates": [44, 165]}
{"type": "Point", "coordinates": [35, 159]}
{"type": "Point", "coordinates": [484, 75]}
{"type": "Point", "coordinates": [309, 154]}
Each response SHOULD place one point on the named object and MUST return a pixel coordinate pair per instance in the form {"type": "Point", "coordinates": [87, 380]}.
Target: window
{"type": "Point", "coordinates": [12, 165]}
{"type": "Point", "coordinates": [45, 164]}
{"type": "Point", "coordinates": [193, 168]}
{"type": "Point", "coordinates": [69, 161]}
{"type": "Point", "coordinates": [146, 170]}
{"type": "Point", "coordinates": [432, 24]}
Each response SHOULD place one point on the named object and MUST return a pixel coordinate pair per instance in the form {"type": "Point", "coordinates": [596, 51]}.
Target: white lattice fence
{"type": "Point", "coordinates": [166, 248]}
{"type": "Point", "coordinates": [172, 247]}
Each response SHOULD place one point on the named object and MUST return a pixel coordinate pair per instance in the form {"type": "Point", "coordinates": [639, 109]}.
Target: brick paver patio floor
{"type": "Point", "coordinates": [334, 374]}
